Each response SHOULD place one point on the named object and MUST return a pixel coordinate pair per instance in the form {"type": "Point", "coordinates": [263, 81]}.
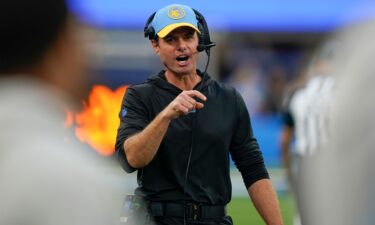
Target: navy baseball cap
{"type": "Point", "coordinates": [173, 16]}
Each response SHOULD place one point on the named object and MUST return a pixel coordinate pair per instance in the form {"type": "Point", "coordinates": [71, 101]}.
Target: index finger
{"type": "Point", "coordinates": [195, 93]}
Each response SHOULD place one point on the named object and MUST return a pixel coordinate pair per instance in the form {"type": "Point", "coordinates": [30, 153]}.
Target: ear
{"type": "Point", "coordinates": [155, 46]}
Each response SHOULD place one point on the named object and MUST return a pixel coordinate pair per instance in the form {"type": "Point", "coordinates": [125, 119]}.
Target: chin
{"type": "Point", "coordinates": [185, 70]}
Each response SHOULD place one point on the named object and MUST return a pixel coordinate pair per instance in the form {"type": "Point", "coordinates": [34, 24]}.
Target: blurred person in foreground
{"type": "Point", "coordinates": [179, 128]}
{"type": "Point", "coordinates": [341, 184]}
{"type": "Point", "coordinates": [305, 127]}
{"type": "Point", "coordinates": [45, 177]}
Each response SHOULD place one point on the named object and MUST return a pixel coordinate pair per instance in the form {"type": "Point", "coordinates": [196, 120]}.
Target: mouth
{"type": "Point", "coordinates": [182, 59]}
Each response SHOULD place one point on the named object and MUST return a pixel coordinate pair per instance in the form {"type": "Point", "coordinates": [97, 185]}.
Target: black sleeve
{"type": "Point", "coordinates": [245, 149]}
{"type": "Point", "coordinates": [287, 119]}
{"type": "Point", "coordinates": [133, 119]}
{"type": "Point", "coordinates": [287, 116]}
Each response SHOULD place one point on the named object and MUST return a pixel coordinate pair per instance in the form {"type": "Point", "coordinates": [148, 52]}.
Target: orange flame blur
{"type": "Point", "coordinates": [98, 122]}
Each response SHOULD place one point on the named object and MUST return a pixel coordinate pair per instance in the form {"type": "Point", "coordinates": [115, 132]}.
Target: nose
{"type": "Point", "coordinates": [181, 44]}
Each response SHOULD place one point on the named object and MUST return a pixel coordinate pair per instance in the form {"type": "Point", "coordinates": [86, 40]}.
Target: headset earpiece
{"type": "Point", "coordinates": [149, 31]}
{"type": "Point", "coordinates": [201, 36]}
{"type": "Point", "coordinates": [205, 42]}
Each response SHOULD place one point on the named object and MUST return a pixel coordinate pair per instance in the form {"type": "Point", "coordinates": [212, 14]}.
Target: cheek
{"type": "Point", "coordinates": [162, 56]}
{"type": "Point", "coordinates": [166, 55]}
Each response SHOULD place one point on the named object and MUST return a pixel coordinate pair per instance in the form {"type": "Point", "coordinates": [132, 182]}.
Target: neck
{"type": "Point", "coordinates": [185, 81]}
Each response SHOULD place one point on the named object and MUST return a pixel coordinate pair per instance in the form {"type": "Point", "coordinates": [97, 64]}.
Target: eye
{"type": "Point", "coordinates": [190, 35]}
{"type": "Point", "coordinates": [169, 39]}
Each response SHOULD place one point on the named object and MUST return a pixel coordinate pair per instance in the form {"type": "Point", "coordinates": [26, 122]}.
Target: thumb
{"type": "Point", "coordinates": [199, 105]}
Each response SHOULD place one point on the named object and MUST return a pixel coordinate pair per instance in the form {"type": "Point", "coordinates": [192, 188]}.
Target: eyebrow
{"type": "Point", "coordinates": [183, 32]}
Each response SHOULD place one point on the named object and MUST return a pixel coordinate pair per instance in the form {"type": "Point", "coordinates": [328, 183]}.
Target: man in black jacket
{"type": "Point", "coordinates": [179, 127]}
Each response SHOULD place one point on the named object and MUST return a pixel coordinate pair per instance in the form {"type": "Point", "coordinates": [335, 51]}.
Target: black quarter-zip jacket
{"type": "Point", "coordinates": [211, 134]}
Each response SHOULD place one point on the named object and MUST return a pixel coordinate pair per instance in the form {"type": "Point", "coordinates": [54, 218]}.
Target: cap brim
{"type": "Point", "coordinates": [166, 30]}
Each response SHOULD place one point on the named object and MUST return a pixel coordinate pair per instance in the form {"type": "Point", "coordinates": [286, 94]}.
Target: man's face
{"type": "Point", "coordinates": [178, 50]}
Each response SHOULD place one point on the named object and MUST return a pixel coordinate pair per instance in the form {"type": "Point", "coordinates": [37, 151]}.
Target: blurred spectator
{"type": "Point", "coordinates": [260, 75]}
{"type": "Point", "coordinates": [305, 117]}
{"type": "Point", "coordinates": [45, 179]}
{"type": "Point", "coordinates": [276, 80]}
{"type": "Point", "coordinates": [288, 153]}
{"type": "Point", "coordinates": [340, 188]}
{"type": "Point", "coordinates": [247, 80]}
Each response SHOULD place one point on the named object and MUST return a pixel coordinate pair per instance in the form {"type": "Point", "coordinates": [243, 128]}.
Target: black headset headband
{"type": "Point", "coordinates": [205, 42]}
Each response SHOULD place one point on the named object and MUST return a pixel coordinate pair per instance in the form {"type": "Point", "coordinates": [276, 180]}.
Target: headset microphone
{"type": "Point", "coordinates": [203, 47]}
{"type": "Point", "coordinates": [207, 48]}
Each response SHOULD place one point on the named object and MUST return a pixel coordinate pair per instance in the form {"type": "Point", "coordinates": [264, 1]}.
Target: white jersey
{"type": "Point", "coordinates": [308, 108]}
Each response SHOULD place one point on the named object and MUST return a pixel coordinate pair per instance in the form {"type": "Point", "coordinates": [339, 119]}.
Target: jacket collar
{"type": "Point", "coordinates": [161, 81]}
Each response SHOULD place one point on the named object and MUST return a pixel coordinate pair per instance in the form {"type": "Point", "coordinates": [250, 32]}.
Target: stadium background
{"type": "Point", "coordinates": [263, 48]}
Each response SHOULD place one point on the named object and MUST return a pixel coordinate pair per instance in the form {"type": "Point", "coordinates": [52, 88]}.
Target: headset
{"type": "Point", "coordinates": [205, 43]}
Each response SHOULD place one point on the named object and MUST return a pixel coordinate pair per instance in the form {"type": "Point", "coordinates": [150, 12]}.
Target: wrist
{"type": "Point", "coordinates": [166, 116]}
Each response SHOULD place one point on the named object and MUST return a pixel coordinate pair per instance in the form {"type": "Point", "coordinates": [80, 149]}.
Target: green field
{"type": "Point", "coordinates": [243, 212]}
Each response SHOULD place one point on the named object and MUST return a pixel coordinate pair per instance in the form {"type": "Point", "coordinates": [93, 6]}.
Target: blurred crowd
{"type": "Point", "coordinates": [263, 71]}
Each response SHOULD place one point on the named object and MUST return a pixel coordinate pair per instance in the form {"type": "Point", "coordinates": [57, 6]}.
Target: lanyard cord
{"type": "Point", "coordinates": [194, 119]}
